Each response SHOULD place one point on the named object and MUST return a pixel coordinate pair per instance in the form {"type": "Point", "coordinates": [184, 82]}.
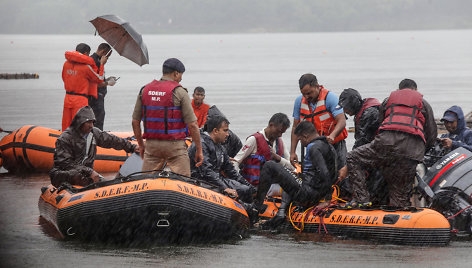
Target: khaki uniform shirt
{"type": "Point", "coordinates": [181, 99]}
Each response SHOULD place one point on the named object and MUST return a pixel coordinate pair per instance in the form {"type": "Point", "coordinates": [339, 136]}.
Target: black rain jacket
{"type": "Point", "coordinates": [70, 152]}
{"type": "Point", "coordinates": [215, 161]}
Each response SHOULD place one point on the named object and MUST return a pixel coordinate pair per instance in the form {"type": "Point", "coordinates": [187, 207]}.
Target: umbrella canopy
{"type": "Point", "coordinates": [122, 37]}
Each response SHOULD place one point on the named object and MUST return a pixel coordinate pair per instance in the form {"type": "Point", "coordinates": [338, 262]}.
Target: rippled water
{"type": "Point", "coordinates": [249, 77]}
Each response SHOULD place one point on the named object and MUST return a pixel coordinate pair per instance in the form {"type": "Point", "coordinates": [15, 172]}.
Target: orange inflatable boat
{"type": "Point", "coordinates": [411, 226]}
{"type": "Point", "coordinates": [31, 148]}
{"type": "Point", "coordinates": [153, 207]}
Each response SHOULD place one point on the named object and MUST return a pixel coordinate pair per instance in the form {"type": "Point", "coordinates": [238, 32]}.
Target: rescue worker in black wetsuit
{"type": "Point", "coordinates": [319, 173]}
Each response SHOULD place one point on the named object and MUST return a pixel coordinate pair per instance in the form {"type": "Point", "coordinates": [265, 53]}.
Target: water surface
{"type": "Point", "coordinates": [249, 77]}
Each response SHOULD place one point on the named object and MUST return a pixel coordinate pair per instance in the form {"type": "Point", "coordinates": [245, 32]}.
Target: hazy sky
{"type": "Point", "coordinates": [229, 16]}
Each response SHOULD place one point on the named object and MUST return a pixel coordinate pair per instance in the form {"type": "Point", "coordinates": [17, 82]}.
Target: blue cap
{"type": "Point", "coordinates": [174, 64]}
{"type": "Point", "coordinates": [449, 116]}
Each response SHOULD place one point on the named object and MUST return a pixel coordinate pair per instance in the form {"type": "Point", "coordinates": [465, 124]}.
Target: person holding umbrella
{"type": "Point", "coordinates": [98, 103]}
{"type": "Point", "coordinates": [166, 111]}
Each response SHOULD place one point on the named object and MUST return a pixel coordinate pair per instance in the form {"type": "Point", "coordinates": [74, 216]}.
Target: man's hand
{"type": "Point", "coordinates": [96, 177]}
{"type": "Point", "coordinates": [446, 142]}
{"type": "Point", "coordinates": [293, 158]}
{"type": "Point", "coordinates": [342, 174]}
{"type": "Point", "coordinates": [330, 139]}
{"type": "Point", "coordinates": [111, 81]}
{"type": "Point", "coordinates": [231, 193]}
{"type": "Point", "coordinates": [198, 158]}
{"type": "Point", "coordinates": [136, 124]}
{"type": "Point", "coordinates": [103, 60]}
{"type": "Point", "coordinates": [195, 134]}
{"type": "Point", "coordinates": [140, 150]}
{"type": "Point", "coordinates": [275, 157]}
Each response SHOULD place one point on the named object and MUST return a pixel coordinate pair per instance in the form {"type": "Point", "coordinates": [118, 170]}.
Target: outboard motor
{"type": "Point", "coordinates": [449, 184]}
{"type": "Point", "coordinates": [435, 154]}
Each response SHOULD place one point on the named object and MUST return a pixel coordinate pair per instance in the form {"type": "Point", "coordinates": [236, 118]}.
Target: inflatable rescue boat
{"type": "Point", "coordinates": [152, 207]}
{"type": "Point", "coordinates": [31, 148]}
{"type": "Point", "coordinates": [410, 226]}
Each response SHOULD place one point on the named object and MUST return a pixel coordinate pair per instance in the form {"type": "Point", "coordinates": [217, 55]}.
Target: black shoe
{"type": "Point", "coordinates": [253, 212]}
{"type": "Point", "coordinates": [261, 208]}
{"type": "Point", "coordinates": [273, 223]}
{"type": "Point", "coordinates": [276, 221]}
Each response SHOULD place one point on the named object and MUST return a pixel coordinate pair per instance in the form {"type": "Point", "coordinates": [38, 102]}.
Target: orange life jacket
{"type": "Point", "coordinates": [80, 77]}
{"type": "Point", "coordinates": [322, 119]}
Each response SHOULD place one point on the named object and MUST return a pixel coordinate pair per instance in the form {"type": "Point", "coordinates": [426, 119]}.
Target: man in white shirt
{"type": "Point", "coordinates": [264, 146]}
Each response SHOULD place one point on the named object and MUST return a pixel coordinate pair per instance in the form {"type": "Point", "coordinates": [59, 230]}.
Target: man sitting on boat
{"type": "Point", "coordinates": [319, 173]}
{"type": "Point", "coordinates": [264, 146]}
{"type": "Point", "coordinates": [232, 144]}
{"type": "Point", "coordinates": [458, 134]}
{"type": "Point", "coordinates": [76, 148]}
{"type": "Point", "coordinates": [217, 168]}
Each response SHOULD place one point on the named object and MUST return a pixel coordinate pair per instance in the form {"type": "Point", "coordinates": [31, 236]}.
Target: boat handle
{"type": "Point", "coordinates": [69, 231]}
{"type": "Point", "coordinates": [163, 223]}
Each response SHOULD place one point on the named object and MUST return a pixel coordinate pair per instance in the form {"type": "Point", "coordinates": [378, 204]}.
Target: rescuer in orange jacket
{"type": "Point", "coordinates": [80, 77]}
{"type": "Point", "coordinates": [320, 106]}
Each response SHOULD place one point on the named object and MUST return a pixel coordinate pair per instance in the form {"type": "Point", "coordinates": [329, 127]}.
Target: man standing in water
{"type": "Point", "coordinates": [319, 106]}
{"type": "Point", "coordinates": [76, 148]}
{"type": "Point", "coordinates": [166, 111]}
{"type": "Point", "coordinates": [406, 131]}
{"type": "Point", "coordinates": [98, 103]}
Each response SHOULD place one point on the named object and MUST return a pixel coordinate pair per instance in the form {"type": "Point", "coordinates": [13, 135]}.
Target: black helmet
{"type": "Point", "coordinates": [351, 100]}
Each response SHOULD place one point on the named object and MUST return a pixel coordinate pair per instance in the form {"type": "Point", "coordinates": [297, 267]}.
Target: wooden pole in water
{"type": "Point", "coordinates": [19, 76]}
